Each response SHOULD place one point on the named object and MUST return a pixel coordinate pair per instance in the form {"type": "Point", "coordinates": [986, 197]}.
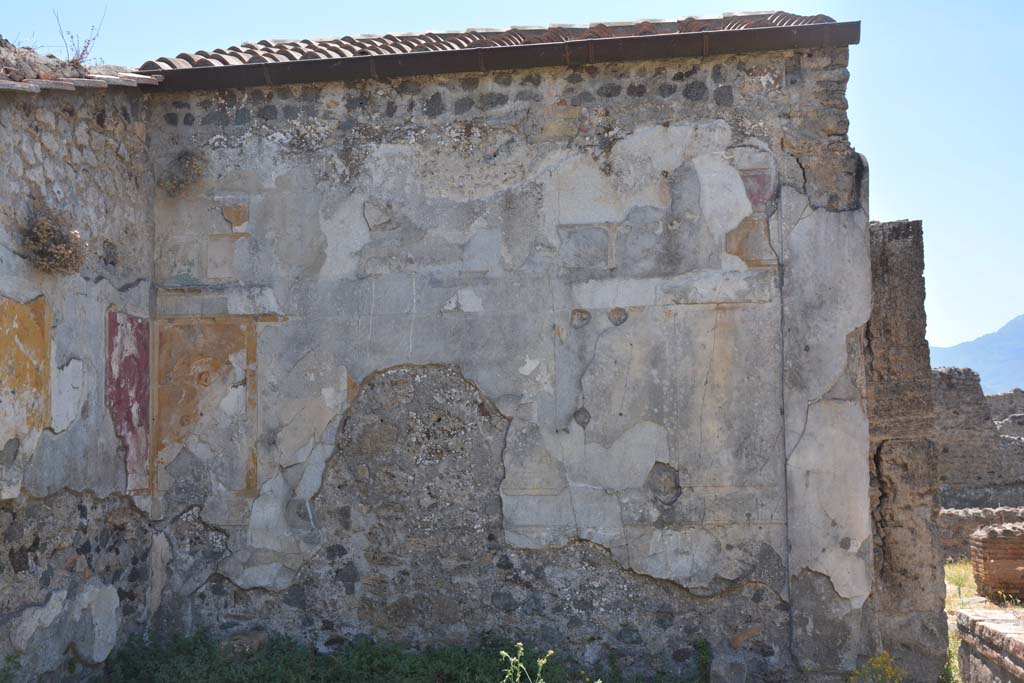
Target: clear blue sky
{"type": "Point", "coordinates": [936, 102]}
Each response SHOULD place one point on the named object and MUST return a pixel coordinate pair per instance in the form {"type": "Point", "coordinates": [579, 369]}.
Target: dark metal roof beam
{"type": "Point", "coordinates": [569, 53]}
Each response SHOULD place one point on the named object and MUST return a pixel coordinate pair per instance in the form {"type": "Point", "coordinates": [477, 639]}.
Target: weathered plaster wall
{"type": "Point", "coordinates": [83, 155]}
{"type": "Point", "coordinates": [590, 257]}
{"type": "Point", "coordinates": [569, 355]}
{"type": "Point", "coordinates": [909, 588]}
{"type": "Point", "coordinates": [73, 561]}
{"type": "Point", "coordinates": [978, 466]}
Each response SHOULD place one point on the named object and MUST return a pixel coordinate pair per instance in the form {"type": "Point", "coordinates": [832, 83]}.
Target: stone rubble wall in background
{"type": "Point", "coordinates": [978, 466]}
{"type": "Point", "coordinates": [1002, 406]}
{"type": "Point", "coordinates": [1008, 412]}
{"type": "Point", "coordinates": [957, 524]}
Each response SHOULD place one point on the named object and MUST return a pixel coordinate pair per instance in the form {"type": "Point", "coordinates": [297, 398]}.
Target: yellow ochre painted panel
{"type": "Point", "coordinates": [24, 367]}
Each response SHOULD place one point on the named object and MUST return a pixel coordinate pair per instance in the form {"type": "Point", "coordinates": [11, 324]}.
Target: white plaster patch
{"type": "Point", "coordinates": [820, 320]}
{"type": "Point", "coordinates": [233, 403]}
{"type": "Point", "coordinates": [268, 528]}
{"type": "Point", "coordinates": [313, 472]}
{"type": "Point", "coordinates": [252, 300]}
{"type": "Point", "coordinates": [697, 287]}
{"type": "Point", "coordinates": [99, 604]}
{"type": "Point", "coordinates": [346, 232]}
{"type": "Point", "coordinates": [159, 557]}
{"type": "Point", "coordinates": [69, 389]}
{"type": "Point", "coordinates": [274, 576]}
{"type": "Point", "coordinates": [482, 253]}
{"type": "Point", "coordinates": [643, 156]}
{"type": "Point", "coordinates": [527, 368]}
{"type": "Point", "coordinates": [465, 300]}
{"type": "Point", "coordinates": [35, 618]}
{"type": "Point", "coordinates": [220, 258]}
{"type": "Point", "coordinates": [688, 556]}
{"type": "Point", "coordinates": [723, 197]}
{"type": "Point", "coordinates": [581, 194]}
{"type": "Point", "coordinates": [624, 464]}
{"type": "Point", "coordinates": [829, 498]}
{"type": "Point", "coordinates": [538, 521]}
{"type": "Point", "coordinates": [304, 423]}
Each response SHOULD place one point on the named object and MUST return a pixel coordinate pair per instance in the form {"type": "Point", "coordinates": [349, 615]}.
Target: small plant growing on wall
{"type": "Point", "coordinates": [184, 169]}
{"type": "Point", "coordinates": [516, 670]}
{"type": "Point", "coordinates": [879, 669]}
{"type": "Point", "coordinates": [50, 243]}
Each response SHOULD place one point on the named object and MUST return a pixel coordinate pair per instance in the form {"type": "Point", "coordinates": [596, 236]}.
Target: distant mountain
{"type": "Point", "coordinates": [997, 357]}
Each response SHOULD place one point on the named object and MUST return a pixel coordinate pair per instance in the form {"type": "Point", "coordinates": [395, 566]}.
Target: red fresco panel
{"type": "Point", "coordinates": [128, 393]}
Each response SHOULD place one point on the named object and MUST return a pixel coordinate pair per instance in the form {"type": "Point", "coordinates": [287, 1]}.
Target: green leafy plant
{"type": "Point", "coordinates": [951, 667]}
{"type": "Point", "coordinates": [879, 669]}
{"type": "Point", "coordinates": [516, 670]}
{"type": "Point", "coordinates": [1008, 599]}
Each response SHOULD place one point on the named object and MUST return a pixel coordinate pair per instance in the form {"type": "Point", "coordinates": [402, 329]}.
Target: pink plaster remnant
{"type": "Point", "coordinates": [758, 183]}
{"type": "Point", "coordinates": [128, 393]}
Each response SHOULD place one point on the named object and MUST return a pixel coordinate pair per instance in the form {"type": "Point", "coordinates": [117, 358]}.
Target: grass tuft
{"type": "Point", "coordinates": [201, 659]}
{"type": "Point", "coordinates": [960, 584]}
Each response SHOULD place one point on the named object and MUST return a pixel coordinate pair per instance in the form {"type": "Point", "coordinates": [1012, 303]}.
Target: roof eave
{"type": "Point", "coordinates": [569, 53]}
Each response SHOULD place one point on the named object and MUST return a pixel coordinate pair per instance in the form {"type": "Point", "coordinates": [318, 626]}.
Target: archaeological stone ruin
{"type": "Point", "coordinates": [981, 454]}
{"type": "Point", "coordinates": [574, 336]}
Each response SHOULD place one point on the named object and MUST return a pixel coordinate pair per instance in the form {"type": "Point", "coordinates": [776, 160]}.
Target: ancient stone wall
{"type": "Point", "coordinates": [978, 466]}
{"type": "Point", "coordinates": [568, 355]}
{"type": "Point", "coordinates": [909, 589]}
{"type": "Point", "coordinates": [1002, 406]}
{"type": "Point", "coordinates": [956, 526]}
{"type": "Point", "coordinates": [996, 555]}
{"type": "Point", "coordinates": [1008, 412]}
{"type": "Point", "coordinates": [991, 646]}
{"type": "Point", "coordinates": [73, 369]}
{"type": "Point", "coordinates": [593, 255]}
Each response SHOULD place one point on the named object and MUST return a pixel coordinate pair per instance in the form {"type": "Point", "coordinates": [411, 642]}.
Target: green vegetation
{"type": "Point", "coordinates": [960, 584]}
{"type": "Point", "coordinates": [201, 659]}
{"type": "Point", "coordinates": [516, 669]}
{"type": "Point", "coordinates": [879, 669]}
{"type": "Point", "coordinates": [951, 670]}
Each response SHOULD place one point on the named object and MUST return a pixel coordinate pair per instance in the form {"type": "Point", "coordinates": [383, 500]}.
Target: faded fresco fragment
{"type": "Point", "coordinates": [205, 398]}
{"type": "Point", "coordinates": [25, 378]}
{"type": "Point", "coordinates": [128, 393]}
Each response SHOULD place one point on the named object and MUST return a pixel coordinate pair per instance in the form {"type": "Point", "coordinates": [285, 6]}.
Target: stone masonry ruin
{"type": "Point", "coordinates": [981, 453]}
{"type": "Point", "coordinates": [579, 337]}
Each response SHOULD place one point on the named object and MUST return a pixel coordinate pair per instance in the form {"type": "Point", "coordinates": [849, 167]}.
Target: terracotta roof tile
{"type": "Point", "coordinates": [266, 51]}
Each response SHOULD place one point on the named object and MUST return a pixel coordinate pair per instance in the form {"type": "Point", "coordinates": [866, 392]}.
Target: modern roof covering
{"type": "Point", "coordinates": [270, 62]}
